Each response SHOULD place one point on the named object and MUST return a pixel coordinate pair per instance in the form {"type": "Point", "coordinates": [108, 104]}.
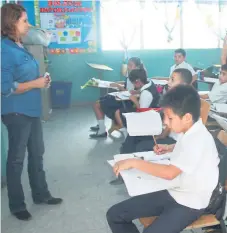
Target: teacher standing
{"type": "Point", "coordinates": [21, 110]}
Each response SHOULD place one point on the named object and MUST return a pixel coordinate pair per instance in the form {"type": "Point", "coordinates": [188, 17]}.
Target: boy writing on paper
{"type": "Point", "coordinates": [194, 160]}
{"type": "Point", "coordinates": [218, 94]}
{"type": "Point", "coordinates": [107, 105]}
{"type": "Point", "coordinates": [148, 96]}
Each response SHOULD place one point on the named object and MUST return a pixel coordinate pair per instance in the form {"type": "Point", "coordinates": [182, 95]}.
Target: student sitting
{"type": "Point", "coordinates": [149, 96]}
{"type": "Point", "coordinates": [194, 163]}
{"type": "Point", "coordinates": [146, 143]}
{"type": "Point", "coordinates": [108, 105]}
{"type": "Point", "coordinates": [180, 63]}
{"type": "Point", "coordinates": [218, 94]}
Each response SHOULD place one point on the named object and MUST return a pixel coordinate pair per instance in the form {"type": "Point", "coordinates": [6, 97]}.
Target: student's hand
{"type": "Point", "coordinates": [161, 149]}
{"type": "Point", "coordinates": [123, 165]}
{"type": "Point", "coordinates": [133, 92]}
{"type": "Point", "coordinates": [133, 98]}
{"type": "Point", "coordinates": [41, 82]}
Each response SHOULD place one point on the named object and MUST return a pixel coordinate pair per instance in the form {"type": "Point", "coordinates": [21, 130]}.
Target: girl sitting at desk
{"type": "Point", "coordinates": [148, 97]}
{"type": "Point", "coordinates": [108, 105]}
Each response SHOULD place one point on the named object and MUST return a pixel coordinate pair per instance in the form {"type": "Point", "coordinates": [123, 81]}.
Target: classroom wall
{"type": "Point", "coordinates": [74, 68]}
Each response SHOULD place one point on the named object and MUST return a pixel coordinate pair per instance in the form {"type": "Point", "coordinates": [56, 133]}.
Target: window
{"type": "Point", "coordinates": [157, 25]}
{"type": "Point", "coordinates": [200, 25]}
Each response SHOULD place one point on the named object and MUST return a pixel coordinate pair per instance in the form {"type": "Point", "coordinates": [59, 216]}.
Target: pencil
{"type": "Point", "coordinates": [155, 142]}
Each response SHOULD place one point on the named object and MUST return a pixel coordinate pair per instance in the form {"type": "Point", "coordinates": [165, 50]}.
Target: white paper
{"type": "Point", "coordinates": [211, 80]}
{"type": "Point", "coordinates": [138, 182]}
{"type": "Point", "coordinates": [147, 155]}
{"type": "Point", "coordinates": [104, 84]}
{"type": "Point", "coordinates": [222, 121]}
{"type": "Point", "coordinates": [123, 95]}
{"type": "Point", "coordinates": [203, 92]}
{"type": "Point", "coordinates": [221, 108]}
{"type": "Point", "coordinates": [143, 123]}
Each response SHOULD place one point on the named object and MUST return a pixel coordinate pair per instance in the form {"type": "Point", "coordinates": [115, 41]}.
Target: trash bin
{"type": "Point", "coordinates": [61, 94]}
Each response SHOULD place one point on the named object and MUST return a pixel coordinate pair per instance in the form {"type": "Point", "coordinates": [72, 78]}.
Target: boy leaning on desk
{"type": "Point", "coordinates": [194, 159]}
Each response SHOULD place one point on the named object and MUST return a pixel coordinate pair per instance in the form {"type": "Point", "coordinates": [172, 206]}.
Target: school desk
{"type": "Point", "coordinates": [100, 68]}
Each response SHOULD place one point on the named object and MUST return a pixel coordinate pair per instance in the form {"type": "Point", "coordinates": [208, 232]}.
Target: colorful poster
{"type": "Point", "coordinates": [72, 24]}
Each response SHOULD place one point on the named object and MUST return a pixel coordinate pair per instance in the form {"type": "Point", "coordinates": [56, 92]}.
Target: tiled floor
{"type": "Point", "coordinates": [77, 171]}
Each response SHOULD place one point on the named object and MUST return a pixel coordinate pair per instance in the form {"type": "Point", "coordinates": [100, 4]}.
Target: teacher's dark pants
{"type": "Point", "coordinates": [25, 132]}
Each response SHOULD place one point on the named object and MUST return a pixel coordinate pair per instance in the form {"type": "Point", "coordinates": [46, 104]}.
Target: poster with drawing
{"type": "Point", "coordinates": [72, 24]}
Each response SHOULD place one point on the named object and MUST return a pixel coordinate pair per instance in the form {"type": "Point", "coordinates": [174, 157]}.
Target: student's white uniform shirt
{"type": "Point", "coordinates": [174, 135]}
{"type": "Point", "coordinates": [218, 94]}
{"type": "Point", "coordinates": [146, 97]}
{"type": "Point", "coordinates": [196, 155]}
{"type": "Point", "coordinates": [183, 65]}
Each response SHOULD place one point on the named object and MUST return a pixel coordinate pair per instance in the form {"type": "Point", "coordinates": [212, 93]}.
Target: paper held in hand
{"type": "Point", "coordinates": [147, 123]}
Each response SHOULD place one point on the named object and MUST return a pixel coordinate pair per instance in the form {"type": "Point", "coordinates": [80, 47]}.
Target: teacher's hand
{"type": "Point", "coordinates": [41, 82]}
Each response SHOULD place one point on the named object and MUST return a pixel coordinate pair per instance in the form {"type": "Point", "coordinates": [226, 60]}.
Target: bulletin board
{"type": "Point", "coordinates": [72, 24]}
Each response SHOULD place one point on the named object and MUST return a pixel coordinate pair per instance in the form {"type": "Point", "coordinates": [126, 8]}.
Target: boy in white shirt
{"type": "Point", "coordinates": [218, 94]}
{"type": "Point", "coordinates": [194, 160]}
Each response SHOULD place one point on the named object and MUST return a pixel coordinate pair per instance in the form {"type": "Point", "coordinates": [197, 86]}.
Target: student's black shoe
{"type": "Point", "coordinates": [96, 135]}
{"type": "Point", "coordinates": [94, 128]}
{"type": "Point", "coordinates": [51, 201]}
{"type": "Point", "coordinates": [23, 215]}
{"type": "Point", "coordinates": [117, 181]}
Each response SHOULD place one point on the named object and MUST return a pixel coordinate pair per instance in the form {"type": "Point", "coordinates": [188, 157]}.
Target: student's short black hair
{"type": "Point", "coordinates": [138, 74]}
{"type": "Point", "coordinates": [185, 74]}
{"type": "Point", "coordinates": [182, 99]}
{"type": "Point", "coordinates": [224, 67]}
{"type": "Point", "coordinates": [181, 51]}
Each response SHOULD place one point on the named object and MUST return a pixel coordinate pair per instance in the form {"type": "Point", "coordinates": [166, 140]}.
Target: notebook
{"type": "Point", "coordinates": [222, 108]}
{"type": "Point", "coordinates": [138, 182]}
{"type": "Point", "coordinates": [123, 95]}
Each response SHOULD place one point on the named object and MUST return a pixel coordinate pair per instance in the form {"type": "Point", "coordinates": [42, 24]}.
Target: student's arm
{"type": "Point", "coordinates": [144, 101]}
{"type": "Point", "coordinates": [168, 172]}
{"type": "Point", "coordinates": [135, 100]}
{"type": "Point", "coordinates": [224, 52]}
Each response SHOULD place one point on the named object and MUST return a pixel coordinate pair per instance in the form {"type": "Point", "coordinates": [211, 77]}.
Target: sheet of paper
{"type": "Point", "coordinates": [222, 108]}
{"type": "Point", "coordinates": [147, 155]}
{"type": "Point", "coordinates": [138, 183]}
{"type": "Point", "coordinates": [203, 92]}
{"type": "Point", "coordinates": [143, 123]}
{"type": "Point", "coordinates": [222, 121]}
{"type": "Point", "coordinates": [210, 80]}
{"type": "Point", "coordinates": [122, 95]}
{"type": "Point", "coordinates": [104, 84]}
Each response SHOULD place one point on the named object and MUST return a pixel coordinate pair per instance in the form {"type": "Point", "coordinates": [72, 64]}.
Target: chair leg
{"type": "Point", "coordinates": [223, 226]}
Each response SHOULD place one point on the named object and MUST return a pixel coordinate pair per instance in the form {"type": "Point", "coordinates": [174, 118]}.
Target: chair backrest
{"type": "Point", "coordinates": [204, 110]}
{"type": "Point", "coordinates": [218, 198]}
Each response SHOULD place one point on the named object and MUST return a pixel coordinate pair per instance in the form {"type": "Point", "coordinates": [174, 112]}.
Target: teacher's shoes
{"type": "Point", "coordinates": [50, 201]}
{"type": "Point", "coordinates": [23, 215]}
{"type": "Point", "coordinates": [98, 135]}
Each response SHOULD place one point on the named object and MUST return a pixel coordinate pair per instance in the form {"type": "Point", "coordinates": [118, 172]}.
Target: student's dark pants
{"type": "Point", "coordinates": [173, 217]}
{"type": "Point", "coordinates": [142, 143]}
{"type": "Point", "coordinates": [25, 132]}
